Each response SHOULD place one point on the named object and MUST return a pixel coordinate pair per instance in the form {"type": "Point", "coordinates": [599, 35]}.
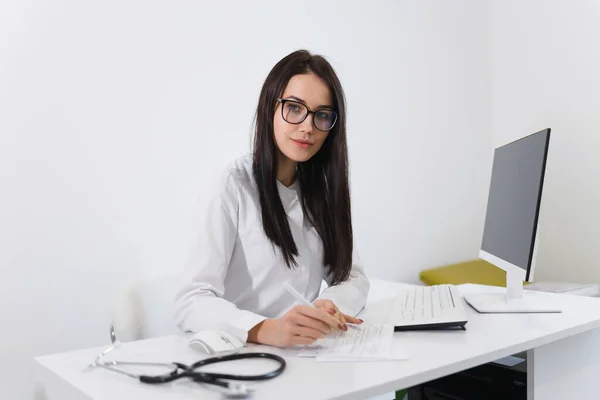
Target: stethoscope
{"type": "Point", "coordinates": [179, 370]}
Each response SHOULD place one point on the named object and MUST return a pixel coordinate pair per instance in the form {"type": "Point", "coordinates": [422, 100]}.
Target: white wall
{"type": "Point", "coordinates": [545, 73]}
{"type": "Point", "coordinates": [112, 112]}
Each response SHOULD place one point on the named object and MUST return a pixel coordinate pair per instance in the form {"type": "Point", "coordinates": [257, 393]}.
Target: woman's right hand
{"type": "Point", "coordinates": [301, 325]}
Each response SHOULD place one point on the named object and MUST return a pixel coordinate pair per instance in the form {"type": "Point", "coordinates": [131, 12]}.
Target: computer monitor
{"type": "Point", "coordinates": [510, 235]}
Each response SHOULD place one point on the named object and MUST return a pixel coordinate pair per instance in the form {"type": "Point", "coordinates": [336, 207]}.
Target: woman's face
{"type": "Point", "coordinates": [299, 142]}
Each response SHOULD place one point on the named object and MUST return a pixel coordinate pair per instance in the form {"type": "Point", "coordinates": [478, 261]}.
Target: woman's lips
{"type": "Point", "coordinates": [302, 143]}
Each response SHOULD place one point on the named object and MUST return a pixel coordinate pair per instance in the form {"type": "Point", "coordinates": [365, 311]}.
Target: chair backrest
{"type": "Point", "coordinates": [144, 309]}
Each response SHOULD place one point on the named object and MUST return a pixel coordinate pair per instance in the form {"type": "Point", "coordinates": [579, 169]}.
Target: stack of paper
{"type": "Point", "coordinates": [581, 289]}
{"type": "Point", "coordinates": [358, 343]}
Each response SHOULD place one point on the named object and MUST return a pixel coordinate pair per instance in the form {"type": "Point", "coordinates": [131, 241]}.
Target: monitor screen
{"type": "Point", "coordinates": [514, 199]}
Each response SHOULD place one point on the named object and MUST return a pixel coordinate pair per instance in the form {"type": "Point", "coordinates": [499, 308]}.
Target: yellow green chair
{"type": "Point", "coordinates": [473, 271]}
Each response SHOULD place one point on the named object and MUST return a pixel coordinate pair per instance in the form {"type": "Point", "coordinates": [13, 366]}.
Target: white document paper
{"type": "Point", "coordinates": [358, 343]}
{"type": "Point", "coordinates": [582, 289]}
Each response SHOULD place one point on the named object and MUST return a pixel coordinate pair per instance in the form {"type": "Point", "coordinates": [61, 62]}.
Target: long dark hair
{"type": "Point", "coordinates": [323, 179]}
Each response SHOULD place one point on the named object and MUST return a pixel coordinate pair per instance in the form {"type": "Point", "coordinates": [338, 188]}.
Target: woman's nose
{"type": "Point", "coordinates": [307, 124]}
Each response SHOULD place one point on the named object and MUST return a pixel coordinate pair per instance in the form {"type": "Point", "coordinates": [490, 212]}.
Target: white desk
{"type": "Point", "coordinates": [564, 361]}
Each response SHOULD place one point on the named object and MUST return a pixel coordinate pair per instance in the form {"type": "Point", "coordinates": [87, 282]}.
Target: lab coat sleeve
{"type": "Point", "coordinates": [199, 303]}
{"type": "Point", "coordinates": [349, 296]}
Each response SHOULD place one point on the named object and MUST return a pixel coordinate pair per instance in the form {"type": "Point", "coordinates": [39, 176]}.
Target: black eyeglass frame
{"type": "Point", "coordinates": [308, 112]}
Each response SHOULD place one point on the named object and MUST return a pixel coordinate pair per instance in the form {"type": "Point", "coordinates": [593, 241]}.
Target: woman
{"type": "Point", "coordinates": [281, 215]}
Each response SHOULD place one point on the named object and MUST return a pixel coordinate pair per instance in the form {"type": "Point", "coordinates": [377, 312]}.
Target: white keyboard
{"type": "Point", "coordinates": [438, 306]}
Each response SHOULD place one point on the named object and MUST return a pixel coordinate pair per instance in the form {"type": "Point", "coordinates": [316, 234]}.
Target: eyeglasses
{"type": "Point", "coordinates": [294, 112]}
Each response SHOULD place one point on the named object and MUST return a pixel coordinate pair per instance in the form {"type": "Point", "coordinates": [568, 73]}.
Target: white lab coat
{"type": "Point", "coordinates": [234, 278]}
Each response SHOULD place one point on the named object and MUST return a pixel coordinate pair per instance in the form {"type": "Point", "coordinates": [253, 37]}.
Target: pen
{"type": "Point", "coordinates": [303, 300]}
{"type": "Point", "coordinates": [297, 295]}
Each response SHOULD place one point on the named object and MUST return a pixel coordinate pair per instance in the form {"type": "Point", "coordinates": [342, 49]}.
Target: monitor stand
{"type": "Point", "coordinates": [512, 299]}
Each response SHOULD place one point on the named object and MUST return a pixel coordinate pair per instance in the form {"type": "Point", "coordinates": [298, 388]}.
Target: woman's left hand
{"type": "Point", "coordinates": [330, 307]}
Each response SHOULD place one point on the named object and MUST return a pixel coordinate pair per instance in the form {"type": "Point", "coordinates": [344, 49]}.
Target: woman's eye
{"type": "Point", "coordinates": [323, 115]}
